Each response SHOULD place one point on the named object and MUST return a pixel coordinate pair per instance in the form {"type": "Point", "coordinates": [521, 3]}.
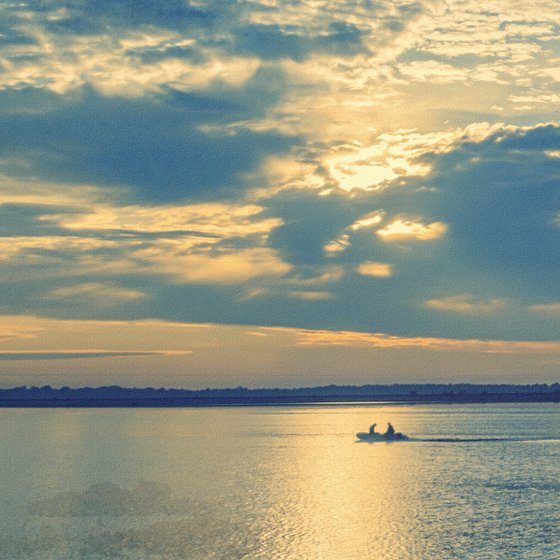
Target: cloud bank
{"type": "Point", "coordinates": [387, 167]}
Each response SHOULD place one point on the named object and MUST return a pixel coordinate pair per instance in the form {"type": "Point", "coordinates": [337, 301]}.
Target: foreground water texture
{"type": "Point", "coordinates": [281, 483]}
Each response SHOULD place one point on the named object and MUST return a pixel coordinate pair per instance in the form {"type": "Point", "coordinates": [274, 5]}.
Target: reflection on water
{"type": "Point", "coordinates": [280, 483]}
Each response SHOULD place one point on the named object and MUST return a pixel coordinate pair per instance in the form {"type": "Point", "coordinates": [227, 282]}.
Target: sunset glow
{"type": "Point", "coordinates": [276, 193]}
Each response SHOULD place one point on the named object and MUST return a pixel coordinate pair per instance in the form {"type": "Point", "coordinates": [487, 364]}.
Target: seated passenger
{"type": "Point", "coordinates": [390, 430]}
{"type": "Point", "coordinates": [372, 428]}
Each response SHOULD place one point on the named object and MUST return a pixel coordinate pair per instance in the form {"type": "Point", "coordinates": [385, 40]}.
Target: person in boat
{"type": "Point", "coordinates": [372, 428]}
{"type": "Point", "coordinates": [390, 430]}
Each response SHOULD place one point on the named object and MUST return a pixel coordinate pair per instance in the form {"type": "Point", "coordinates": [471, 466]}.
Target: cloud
{"type": "Point", "coordinates": [39, 246]}
{"type": "Point", "coordinates": [272, 41]}
{"type": "Point", "coordinates": [153, 147]}
{"type": "Point", "coordinates": [214, 242]}
{"type": "Point", "coordinates": [226, 355]}
{"type": "Point", "coordinates": [466, 303]}
{"type": "Point", "coordinates": [511, 174]}
{"type": "Point", "coordinates": [217, 267]}
{"type": "Point", "coordinates": [241, 261]}
{"type": "Point", "coordinates": [218, 220]}
{"type": "Point", "coordinates": [310, 295]}
{"type": "Point", "coordinates": [168, 150]}
{"type": "Point", "coordinates": [489, 201]}
{"type": "Point", "coordinates": [337, 245]}
{"type": "Point", "coordinates": [352, 339]}
{"type": "Point", "coordinates": [104, 293]}
{"type": "Point", "coordinates": [309, 223]}
{"type": "Point", "coordinates": [83, 354]}
{"type": "Point", "coordinates": [433, 71]}
{"type": "Point", "coordinates": [368, 221]}
{"type": "Point", "coordinates": [401, 230]}
{"type": "Point", "coordinates": [376, 269]}
{"type": "Point", "coordinates": [16, 332]}
{"type": "Point", "coordinates": [173, 13]}
{"type": "Point", "coordinates": [552, 309]}
{"type": "Point", "coordinates": [396, 155]}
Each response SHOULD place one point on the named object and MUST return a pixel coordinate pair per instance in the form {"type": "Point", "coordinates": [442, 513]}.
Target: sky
{"type": "Point", "coordinates": [279, 192]}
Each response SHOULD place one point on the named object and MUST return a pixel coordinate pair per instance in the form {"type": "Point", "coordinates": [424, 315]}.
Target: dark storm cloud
{"type": "Point", "coordinates": [500, 199]}
{"type": "Point", "coordinates": [310, 221]}
{"type": "Point", "coordinates": [153, 146]}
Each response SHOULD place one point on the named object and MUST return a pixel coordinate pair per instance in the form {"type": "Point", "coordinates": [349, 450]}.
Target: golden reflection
{"type": "Point", "coordinates": [355, 491]}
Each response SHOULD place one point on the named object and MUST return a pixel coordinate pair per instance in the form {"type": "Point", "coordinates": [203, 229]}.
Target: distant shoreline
{"type": "Point", "coordinates": [127, 404]}
{"type": "Point", "coordinates": [409, 394]}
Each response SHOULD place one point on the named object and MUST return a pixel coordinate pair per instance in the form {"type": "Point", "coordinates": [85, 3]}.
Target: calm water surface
{"type": "Point", "coordinates": [280, 483]}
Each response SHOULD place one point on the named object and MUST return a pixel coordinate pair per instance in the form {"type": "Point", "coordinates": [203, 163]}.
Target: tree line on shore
{"type": "Point", "coordinates": [115, 395]}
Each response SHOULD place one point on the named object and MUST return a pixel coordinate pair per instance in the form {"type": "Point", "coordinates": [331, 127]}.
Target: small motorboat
{"type": "Point", "coordinates": [366, 436]}
{"type": "Point", "coordinates": [389, 435]}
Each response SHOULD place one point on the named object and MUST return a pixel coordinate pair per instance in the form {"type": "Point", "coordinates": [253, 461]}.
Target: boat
{"type": "Point", "coordinates": [366, 436]}
{"type": "Point", "coordinates": [389, 435]}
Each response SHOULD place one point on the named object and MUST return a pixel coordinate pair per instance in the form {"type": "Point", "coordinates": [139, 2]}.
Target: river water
{"type": "Point", "coordinates": [280, 483]}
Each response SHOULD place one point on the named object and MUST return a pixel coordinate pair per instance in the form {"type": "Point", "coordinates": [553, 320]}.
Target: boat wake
{"type": "Point", "coordinates": [369, 438]}
{"type": "Point", "coordinates": [391, 435]}
{"type": "Point", "coordinates": [484, 439]}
